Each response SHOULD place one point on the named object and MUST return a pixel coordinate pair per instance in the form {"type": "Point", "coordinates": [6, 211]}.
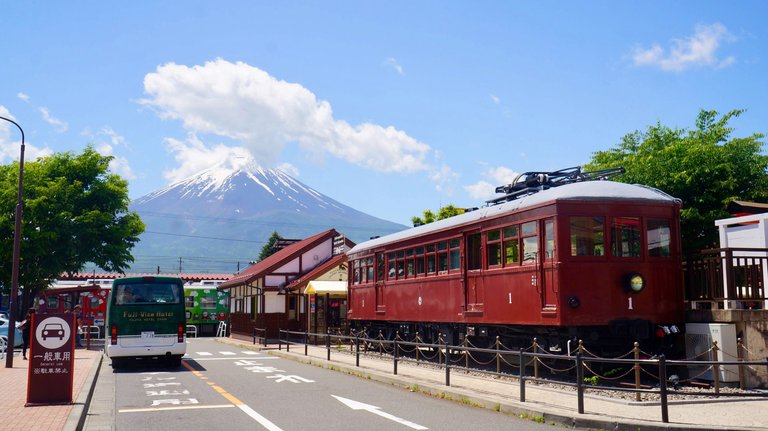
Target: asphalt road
{"type": "Point", "coordinates": [223, 387]}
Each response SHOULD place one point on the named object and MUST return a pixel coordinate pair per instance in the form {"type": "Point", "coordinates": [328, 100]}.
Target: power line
{"type": "Point", "coordinates": [204, 237]}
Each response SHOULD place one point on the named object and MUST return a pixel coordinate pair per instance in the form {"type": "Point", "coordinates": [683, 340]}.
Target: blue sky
{"type": "Point", "coordinates": [388, 107]}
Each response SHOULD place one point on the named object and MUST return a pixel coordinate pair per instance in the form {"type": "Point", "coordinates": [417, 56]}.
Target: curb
{"type": "Point", "coordinates": [79, 412]}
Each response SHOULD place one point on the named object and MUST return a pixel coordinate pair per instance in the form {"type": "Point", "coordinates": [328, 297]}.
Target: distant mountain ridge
{"type": "Point", "coordinates": [226, 213]}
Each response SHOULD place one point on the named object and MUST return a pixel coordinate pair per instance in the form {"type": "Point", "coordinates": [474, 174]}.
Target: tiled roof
{"type": "Point", "coordinates": [275, 260]}
{"type": "Point", "coordinates": [112, 275]}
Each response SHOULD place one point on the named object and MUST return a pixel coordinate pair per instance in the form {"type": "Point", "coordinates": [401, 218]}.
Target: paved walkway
{"type": "Point", "coordinates": [554, 406]}
{"type": "Point", "coordinates": [13, 392]}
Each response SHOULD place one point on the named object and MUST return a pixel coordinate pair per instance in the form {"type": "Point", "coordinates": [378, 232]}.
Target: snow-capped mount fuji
{"type": "Point", "coordinates": [228, 211]}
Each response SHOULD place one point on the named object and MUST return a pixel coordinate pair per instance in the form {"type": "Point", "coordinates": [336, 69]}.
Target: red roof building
{"type": "Point", "coordinates": [263, 296]}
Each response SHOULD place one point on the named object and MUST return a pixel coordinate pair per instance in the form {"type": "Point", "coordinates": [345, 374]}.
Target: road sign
{"type": "Point", "coordinates": [52, 359]}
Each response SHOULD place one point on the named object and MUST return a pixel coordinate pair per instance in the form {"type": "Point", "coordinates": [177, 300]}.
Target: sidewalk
{"type": "Point", "coordinates": [13, 392]}
{"type": "Point", "coordinates": [554, 406]}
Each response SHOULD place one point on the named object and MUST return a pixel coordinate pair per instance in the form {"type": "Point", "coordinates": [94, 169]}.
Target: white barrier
{"type": "Point", "coordinates": [3, 346]}
{"type": "Point", "coordinates": [192, 329]}
{"type": "Point", "coordinates": [91, 330]}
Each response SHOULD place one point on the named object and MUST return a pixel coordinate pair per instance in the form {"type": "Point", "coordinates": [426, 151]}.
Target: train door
{"type": "Point", "coordinates": [548, 288]}
{"type": "Point", "coordinates": [473, 280]}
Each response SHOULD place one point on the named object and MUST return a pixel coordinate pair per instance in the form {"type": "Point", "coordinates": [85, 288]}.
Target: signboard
{"type": "Point", "coordinates": [52, 359]}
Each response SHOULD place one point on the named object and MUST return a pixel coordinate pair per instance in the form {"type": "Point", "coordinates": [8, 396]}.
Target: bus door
{"type": "Point", "coordinates": [547, 285]}
{"type": "Point", "coordinates": [473, 280]}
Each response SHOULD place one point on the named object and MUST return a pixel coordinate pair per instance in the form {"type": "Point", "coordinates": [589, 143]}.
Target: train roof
{"type": "Point", "coordinates": [587, 190]}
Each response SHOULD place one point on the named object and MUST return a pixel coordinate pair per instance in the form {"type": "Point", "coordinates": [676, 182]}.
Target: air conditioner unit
{"type": "Point", "coordinates": [699, 338]}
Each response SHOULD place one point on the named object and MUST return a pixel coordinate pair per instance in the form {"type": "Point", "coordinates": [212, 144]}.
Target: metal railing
{"type": "Point", "coordinates": [449, 356]}
{"type": "Point", "coordinates": [260, 334]}
{"type": "Point", "coordinates": [191, 329]}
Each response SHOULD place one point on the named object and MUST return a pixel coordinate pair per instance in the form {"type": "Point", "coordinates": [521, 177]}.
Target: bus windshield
{"type": "Point", "coordinates": [149, 293]}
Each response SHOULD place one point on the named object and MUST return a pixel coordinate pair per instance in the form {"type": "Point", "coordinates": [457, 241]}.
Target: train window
{"type": "Point", "coordinates": [419, 251]}
{"type": "Point", "coordinates": [410, 268]}
{"type": "Point", "coordinates": [369, 275]}
{"type": "Point", "coordinates": [400, 254]}
{"type": "Point", "coordinates": [400, 269]}
{"type": "Point", "coordinates": [587, 236]}
{"type": "Point", "coordinates": [549, 239]}
{"type": "Point", "coordinates": [625, 237]}
{"type": "Point", "coordinates": [430, 248]}
{"type": "Point", "coordinates": [455, 255]}
{"type": "Point", "coordinates": [391, 269]}
{"type": "Point", "coordinates": [659, 238]}
{"type": "Point", "coordinates": [380, 267]}
{"type": "Point", "coordinates": [530, 242]}
{"type": "Point", "coordinates": [430, 264]}
{"type": "Point", "coordinates": [474, 256]}
{"type": "Point", "coordinates": [409, 252]}
{"type": "Point", "coordinates": [420, 265]}
{"type": "Point", "coordinates": [442, 245]}
{"type": "Point", "coordinates": [493, 246]}
{"type": "Point", "coordinates": [356, 277]}
{"type": "Point", "coordinates": [442, 262]}
{"type": "Point", "coordinates": [529, 228]}
{"type": "Point", "coordinates": [207, 302]}
{"type": "Point", "coordinates": [511, 245]}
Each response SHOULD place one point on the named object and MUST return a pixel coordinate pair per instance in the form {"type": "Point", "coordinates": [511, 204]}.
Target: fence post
{"type": "Point", "coordinates": [254, 335]}
{"type": "Point", "coordinates": [498, 356]}
{"type": "Point", "coordinates": [357, 350]}
{"type": "Point", "coordinates": [279, 339]}
{"type": "Point", "coordinates": [663, 388]}
{"type": "Point", "coordinates": [466, 352]}
{"type": "Point", "coordinates": [394, 356]}
{"type": "Point", "coordinates": [287, 341]}
{"type": "Point", "coordinates": [522, 376]}
{"type": "Point", "coordinates": [716, 367]}
{"type": "Point", "coordinates": [638, 396]}
{"type": "Point", "coordinates": [740, 355]}
{"type": "Point", "coordinates": [306, 343]}
{"type": "Point", "coordinates": [381, 345]}
{"type": "Point", "coordinates": [447, 367]}
{"type": "Point", "coordinates": [439, 350]}
{"type": "Point", "coordinates": [580, 382]}
{"type": "Point", "coordinates": [328, 344]}
{"type": "Point", "coordinates": [535, 358]}
{"type": "Point", "coordinates": [417, 347]}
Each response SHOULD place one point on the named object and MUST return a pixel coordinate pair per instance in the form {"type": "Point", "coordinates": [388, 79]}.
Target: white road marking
{"type": "Point", "coordinates": [204, 353]}
{"type": "Point", "coordinates": [228, 353]}
{"type": "Point", "coordinates": [266, 423]}
{"type": "Point", "coordinates": [158, 409]}
{"type": "Point", "coordinates": [357, 405]}
{"type": "Point", "coordinates": [235, 359]}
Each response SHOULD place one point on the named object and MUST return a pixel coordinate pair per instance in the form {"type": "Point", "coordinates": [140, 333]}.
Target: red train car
{"type": "Point", "coordinates": [562, 259]}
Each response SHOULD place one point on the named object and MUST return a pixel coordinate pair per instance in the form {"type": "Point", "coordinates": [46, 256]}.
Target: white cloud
{"type": "Point", "coordinates": [495, 99]}
{"type": "Point", "coordinates": [393, 63]}
{"type": "Point", "coordinates": [264, 114]}
{"type": "Point", "coordinates": [22, 96]}
{"type": "Point", "coordinates": [10, 141]}
{"type": "Point", "coordinates": [104, 142]}
{"type": "Point", "coordinates": [58, 125]}
{"type": "Point", "coordinates": [494, 177]}
{"type": "Point", "coordinates": [444, 179]}
{"type": "Point", "coordinates": [697, 50]}
{"type": "Point", "coordinates": [289, 169]}
{"type": "Point", "coordinates": [193, 156]}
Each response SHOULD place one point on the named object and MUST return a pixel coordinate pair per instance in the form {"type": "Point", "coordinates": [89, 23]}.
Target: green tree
{"type": "Point", "coordinates": [428, 216]}
{"type": "Point", "coordinates": [270, 247]}
{"type": "Point", "coordinates": [705, 167]}
{"type": "Point", "coordinates": [75, 211]}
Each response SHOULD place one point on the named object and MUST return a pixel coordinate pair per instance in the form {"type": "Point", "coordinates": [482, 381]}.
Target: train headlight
{"type": "Point", "coordinates": [573, 302]}
{"type": "Point", "coordinates": [634, 282]}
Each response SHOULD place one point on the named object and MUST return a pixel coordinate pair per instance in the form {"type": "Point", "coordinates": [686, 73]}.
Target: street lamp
{"type": "Point", "coordinates": [16, 252]}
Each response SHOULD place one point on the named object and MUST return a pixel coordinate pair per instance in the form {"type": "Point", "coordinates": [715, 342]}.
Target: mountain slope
{"type": "Point", "coordinates": [225, 214]}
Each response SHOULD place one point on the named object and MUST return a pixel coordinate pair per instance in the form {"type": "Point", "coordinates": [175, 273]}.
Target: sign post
{"type": "Point", "coordinates": [52, 359]}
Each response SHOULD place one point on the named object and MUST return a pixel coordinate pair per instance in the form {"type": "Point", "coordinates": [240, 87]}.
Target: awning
{"type": "Point", "coordinates": [323, 287]}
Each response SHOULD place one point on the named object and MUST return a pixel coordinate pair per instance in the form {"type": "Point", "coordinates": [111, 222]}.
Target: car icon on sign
{"type": "Point", "coordinates": [53, 330]}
